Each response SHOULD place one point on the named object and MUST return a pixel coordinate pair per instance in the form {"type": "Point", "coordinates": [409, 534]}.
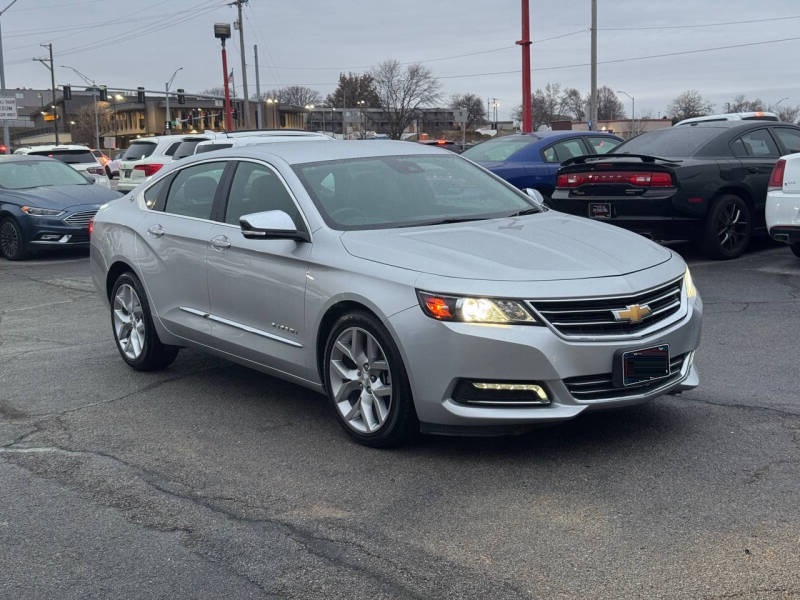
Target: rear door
{"type": "Point", "coordinates": [176, 234]}
{"type": "Point", "coordinates": [757, 153]}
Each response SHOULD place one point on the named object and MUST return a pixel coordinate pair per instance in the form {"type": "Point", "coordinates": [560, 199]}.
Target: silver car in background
{"type": "Point", "coordinates": [415, 289]}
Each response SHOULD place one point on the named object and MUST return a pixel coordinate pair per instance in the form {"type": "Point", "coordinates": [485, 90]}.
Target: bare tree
{"type": "Point", "coordinates": [352, 89]}
{"type": "Point", "coordinates": [573, 104]}
{"type": "Point", "coordinates": [472, 105]}
{"type": "Point", "coordinates": [609, 106]}
{"type": "Point", "coordinates": [741, 104]}
{"type": "Point", "coordinates": [295, 95]}
{"type": "Point", "coordinates": [82, 128]}
{"type": "Point", "coordinates": [402, 92]}
{"type": "Point", "coordinates": [689, 104]}
{"type": "Point", "coordinates": [788, 114]}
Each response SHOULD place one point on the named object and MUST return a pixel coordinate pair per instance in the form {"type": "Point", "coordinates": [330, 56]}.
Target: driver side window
{"type": "Point", "coordinates": [257, 188]}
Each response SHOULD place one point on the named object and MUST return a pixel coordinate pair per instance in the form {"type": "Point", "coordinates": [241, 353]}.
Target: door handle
{"type": "Point", "coordinates": [155, 230]}
{"type": "Point", "coordinates": [220, 242]}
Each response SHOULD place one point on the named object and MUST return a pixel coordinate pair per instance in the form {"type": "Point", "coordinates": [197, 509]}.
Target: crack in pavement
{"type": "Point", "coordinates": [361, 557]}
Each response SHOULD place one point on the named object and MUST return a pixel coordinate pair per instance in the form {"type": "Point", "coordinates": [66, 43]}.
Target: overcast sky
{"type": "Point", "coordinates": [651, 49]}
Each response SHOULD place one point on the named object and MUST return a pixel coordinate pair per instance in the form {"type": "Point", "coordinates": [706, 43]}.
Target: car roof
{"type": "Point", "coordinates": [299, 152]}
{"type": "Point", "coordinates": [759, 115]}
{"type": "Point", "coordinates": [51, 148]}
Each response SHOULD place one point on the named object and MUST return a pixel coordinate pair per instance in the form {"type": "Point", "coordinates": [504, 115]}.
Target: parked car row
{"type": "Point", "coordinates": [146, 156]}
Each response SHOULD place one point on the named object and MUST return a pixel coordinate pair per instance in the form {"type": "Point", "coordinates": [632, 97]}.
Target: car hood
{"type": "Point", "coordinates": [62, 196]}
{"type": "Point", "coordinates": [542, 247]}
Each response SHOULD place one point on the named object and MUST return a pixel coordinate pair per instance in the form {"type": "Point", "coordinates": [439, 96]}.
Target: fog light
{"type": "Point", "coordinates": [50, 237]}
{"type": "Point", "coordinates": [501, 393]}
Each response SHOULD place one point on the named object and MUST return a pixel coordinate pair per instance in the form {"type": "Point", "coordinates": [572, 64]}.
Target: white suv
{"type": "Point", "coordinates": [222, 141]}
{"type": "Point", "coordinates": [80, 158]}
{"type": "Point", "coordinates": [145, 157]}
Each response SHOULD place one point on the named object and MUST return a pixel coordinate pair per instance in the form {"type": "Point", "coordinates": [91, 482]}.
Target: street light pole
{"type": "Point", "coordinates": [94, 99]}
{"type": "Point", "coordinates": [633, 111]}
{"type": "Point", "coordinates": [6, 137]}
{"type": "Point", "coordinates": [53, 84]}
{"type": "Point", "coordinates": [166, 96]}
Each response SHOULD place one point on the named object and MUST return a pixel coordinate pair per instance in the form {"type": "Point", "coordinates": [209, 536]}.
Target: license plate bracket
{"type": "Point", "coordinates": [634, 367]}
{"type": "Point", "coordinates": [599, 210]}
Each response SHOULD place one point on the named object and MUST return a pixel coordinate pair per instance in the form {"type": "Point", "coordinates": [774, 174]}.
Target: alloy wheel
{"type": "Point", "coordinates": [10, 240]}
{"type": "Point", "coordinates": [129, 324]}
{"type": "Point", "coordinates": [360, 380]}
{"type": "Point", "coordinates": [731, 227]}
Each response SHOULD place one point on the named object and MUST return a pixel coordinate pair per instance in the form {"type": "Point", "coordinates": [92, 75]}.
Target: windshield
{"type": "Point", "coordinates": [498, 149]}
{"type": "Point", "coordinates": [139, 150]}
{"type": "Point", "coordinates": [71, 157]}
{"type": "Point", "coordinates": [28, 174]}
{"type": "Point", "coordinates": [403, 191]}
{"type": "Point", "coordinates": [672, 142]}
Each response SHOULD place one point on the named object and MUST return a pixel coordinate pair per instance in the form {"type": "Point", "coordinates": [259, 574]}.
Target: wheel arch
{"type": "Point", "coordinates": [326, 325]}
{"type": "Point", "coordinates": [114, 271]}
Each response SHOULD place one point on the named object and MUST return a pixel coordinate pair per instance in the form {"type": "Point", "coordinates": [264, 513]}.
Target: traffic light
{"type": "Point", "coordinates": [67, 92]}
{"type": "Point", "coordinates": [103, 94]}
{"type": "Point", "coordinates": [181, 97]}
{"type": "Point", "coordinates": [140, 95]}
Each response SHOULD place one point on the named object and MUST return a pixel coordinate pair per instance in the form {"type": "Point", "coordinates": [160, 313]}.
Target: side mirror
{"type": "Point", "coordinates": [272, 224]}
{"type": "Point", "coordinates": [536, 196]}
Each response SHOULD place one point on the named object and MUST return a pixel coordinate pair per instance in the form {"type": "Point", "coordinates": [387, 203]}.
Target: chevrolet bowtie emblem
{"type": "Point", "coordinates": [632, 313]}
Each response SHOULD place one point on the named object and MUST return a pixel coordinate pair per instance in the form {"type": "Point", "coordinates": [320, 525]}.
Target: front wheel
{"type": "Point", "coordinates": [134, 332]}
{"type": "Point", "coordinates": [12, 244]}
{"type": "Point", "coordinates": [367, 382]}
{"type": "Point", "coordinates": [728, 228]}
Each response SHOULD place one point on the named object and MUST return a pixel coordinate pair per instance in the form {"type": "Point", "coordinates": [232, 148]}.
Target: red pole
{"type": "Point", "coordinates": [228, 117]}
{"type": "Point", "coordinates": [525, 42]}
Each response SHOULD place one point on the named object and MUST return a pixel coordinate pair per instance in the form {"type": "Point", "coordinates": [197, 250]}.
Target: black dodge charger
{"type": "Point", "coordinates": [705, 182]}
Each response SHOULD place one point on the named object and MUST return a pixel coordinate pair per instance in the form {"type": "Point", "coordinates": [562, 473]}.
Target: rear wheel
{"type": "Point", "coordinates": [728, 228]}
{"type": "Point", "coordinates": [796, 249]}
{"type": "Point", "coordinates": [134, 332]}
{"type": "Point", "coordinates": [12, 245]}
{"type": "Point", "coordinates": [367, 383]}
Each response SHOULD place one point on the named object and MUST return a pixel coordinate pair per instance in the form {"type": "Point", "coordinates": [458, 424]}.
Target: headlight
{"type": "Point", "coordinates": [468, 309]}
{"type": "Point", "coordinates": [41, 212]}
{"type": "Point", "coordinates": [688, 284]}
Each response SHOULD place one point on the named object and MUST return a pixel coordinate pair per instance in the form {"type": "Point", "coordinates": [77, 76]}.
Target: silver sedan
{"type": "Point", "coordinates": [415, 289]}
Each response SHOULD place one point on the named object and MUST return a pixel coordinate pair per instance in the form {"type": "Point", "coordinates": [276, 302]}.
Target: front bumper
{"type": "Point", "coordinates": [577, 375]}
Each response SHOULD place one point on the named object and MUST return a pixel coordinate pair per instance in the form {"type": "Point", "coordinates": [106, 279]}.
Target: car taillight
{"type": "Point", "coordinates": [96, 170]}
{"type": "Point", "coordinates": [776, 178]}
{"type": "Point", "coordinates": [148, 169]}
{"type": "Point", "coordinates": [634, 178]}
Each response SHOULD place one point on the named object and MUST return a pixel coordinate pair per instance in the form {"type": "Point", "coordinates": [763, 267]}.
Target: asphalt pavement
{"type": "Point", "coordinates": [208, 480]}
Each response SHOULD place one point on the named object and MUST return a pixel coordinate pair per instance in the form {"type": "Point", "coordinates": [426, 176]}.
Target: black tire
{"type": "Point", "coordinates": [389, 419]}
{"type": "Point", "coordinates": [795, 249]}
{"type": "Point", "coordinates": [728, 228]}
{"type": "Point", "coordinates": [133, 329]}
{"type": "Point", "coordinates": [12, 243]}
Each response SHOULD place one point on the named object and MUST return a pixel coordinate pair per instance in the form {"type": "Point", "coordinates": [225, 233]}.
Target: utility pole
{"type": "Point", "coordinates": [6, 136]}
{"type": "Point", "coordinates": [259, 117]}
{"type": "Point", "coordinates": [593, 101]}
{"type": "Point", "coordinates": [238, 4]}
{"type": "Point", "coordinates": [45, 61]}
{"type": "Point", "coordinates": [525, 42]}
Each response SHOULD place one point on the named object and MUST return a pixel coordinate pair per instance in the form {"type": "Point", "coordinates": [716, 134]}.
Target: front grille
{"type": "Point", "coordinates": [596, 317]}
{"type": "Point", "coordinates": [601, 386]}
{"type": "Point", "coordinates": [80, 219]}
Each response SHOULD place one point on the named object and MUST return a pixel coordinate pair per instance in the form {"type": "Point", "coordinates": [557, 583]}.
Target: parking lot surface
{"type": "Point", "coordinates": [209, 480]}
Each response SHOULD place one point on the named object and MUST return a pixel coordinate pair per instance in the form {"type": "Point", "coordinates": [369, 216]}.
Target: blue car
{"type": "Point", "coordinates": [531, 160]}
{"type": "Point", "coordinates": [45, 203]}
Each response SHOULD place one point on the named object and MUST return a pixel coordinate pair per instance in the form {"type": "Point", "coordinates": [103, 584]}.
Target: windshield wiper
{"type": "Point", "coordinates": [450, 220]}
{"type": "Point", "coordinates": [526, 211]}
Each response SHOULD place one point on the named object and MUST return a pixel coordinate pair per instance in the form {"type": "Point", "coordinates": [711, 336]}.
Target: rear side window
{"type": "Point", "coordinates": [71, 157]}
{"type": "Point", "coordinates": [756, 144]}
{"type": "Point", "coordinates": [139, 150]}
{"type": "Point", "coordinates": [789, 138]}
{"type": "Point", "coordinates": [193, 189]}
{"type": "Point", "coordinates": [601, 145]}
{"type": "Point", "coordinates": [561, 151]}
{"type": "Point", "coordinates": [209, 147]}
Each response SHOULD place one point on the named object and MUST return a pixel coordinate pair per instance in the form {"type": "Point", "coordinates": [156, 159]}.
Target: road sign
{"type": "Point", "coordinates": [8, 108]}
